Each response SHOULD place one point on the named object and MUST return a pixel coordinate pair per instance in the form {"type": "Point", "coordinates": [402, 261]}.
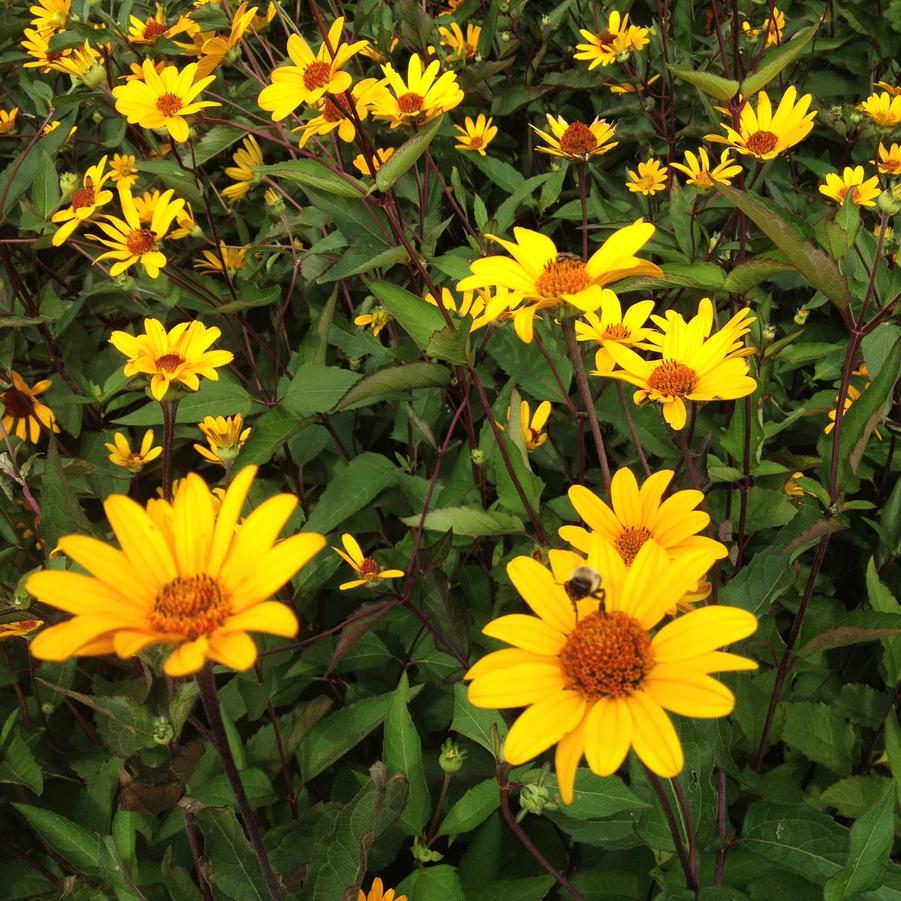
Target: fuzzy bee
{"type": "Point", "coordinates": [585, 582]}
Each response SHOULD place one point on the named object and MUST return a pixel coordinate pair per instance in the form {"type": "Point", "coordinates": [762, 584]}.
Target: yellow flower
{"type": "Point", "coordinates": [863, 193]}
{"type": "Point", "coordinates": [20, 628]}
{"type": "Point", "coordinates": [37, 45]}
{"type": "Point", "coordinates": [234, 258]}
{"type": "Point", "coordinates": [888, 161]}
{"type": "Point", "coordinates": [371, 166]}
{"type": "Point", "coordinates": [50, 127]}
{"type": "Point", "coordinates": [792, 488]}
{"type": "Point", "coordinates": [312, 75]}
{"type": "Point", "coordinates": [8, 120]}
{"type": "Point", "coordinates": [477, 304]}
{"type": "Point", "coordinates": [178, 356]}
{"type": "Point", "coordinates": [122, 170]}
{"type": "Point", "coordinates": [131, 241]}
{"type": "Point", "coordinates": [475, 135]}
{"type": "Point", "coordinates": [216, 49]}
{"type": "Point", "coordinates": [146, 204]}
{"type": "Point", "coordinates": [461, 47]}
{"type": "Point", "coordinates": [245, 158]}
{"type": "Point", "coordinates": [614, 327]}
{"type": "Point", "coordinates": [163, 99]}
{"type": "Point", "coordinates": [597, 681]}
{"type": "Point", "coordinates": [890, 88]}
{"type": "Point", "coordinates": [49, 16]}
{"type": "Point", "coordinates": [852, 395]}
{"type": "Point", "coordinates": [136, 70]}
{"type": "Point", "coordinates": [146, 32]}
{"type": "Point", "coordinates": [628, 88]}
{"type": "Point", "coordinates": [423, 96]}
{"type": "Point", "coordinates": [377, 893]}
{"type": "Point", "coordinates": [618, 38]}
{"type": "Point", "coordinates": [542, 278]}
{"type": "Point", "coordinates": [699, 173]}
{"type": "Point", "coordinates": [765, 134]}
{"type": "Point", "coordinates": [121, 453]}
{"type": "Point", "coordinates": [650, 178]}
{"type": "Point", "coordinates": [375, 320]}
{"type": "Point", "coordinates": [533, 433]}
{"type": "Point", "coordinates": [576, 140]}
{"type": "Point", "coordinates": [884, 109]}
{"type": "Point", "coordinates": [85, 63]}
{"type": "Point", "coordinates": [366, 568]}
{"type": "Point", "coordinates": [333, 114]}
{"type": "Point", "coordinates": [23, 414]}
{"type": "Point", "coordinates": [694, 365]}
{"type": "Point", "coordinates": [452, 6]}
{"type": "Point", "coordinates": [225, 437]}
{"type": "Point", "coordinates": [187, 226]}
{"type": "Point", "coordinates": [185, 576]}
{"type": "Point", "coordinates": [774, 26]}
{"type": "Point", "coordinates": [376, 56]}
{"type": "Point", "coordinates": [83, 203]}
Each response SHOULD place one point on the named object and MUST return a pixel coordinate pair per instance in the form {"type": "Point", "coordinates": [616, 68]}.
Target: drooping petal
{"type": "Point", "coordinates": [542, 725]}
{"type": "Point", "coordinates": [654, 737]}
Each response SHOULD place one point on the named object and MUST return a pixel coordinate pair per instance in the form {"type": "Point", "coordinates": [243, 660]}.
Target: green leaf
{"type": "Point", "coordinates": [215, 140]}
{"type": "Point", "coordinates": [714, 85]}
{"type": "Point", "coordinates": [270, 431]}
{"type": "Point", "coordinates": [871, 841]}
{"type": "Point", "coordinates": [703, 276]}
{"type": "Point", "coordinates": [251, 297]}
{"type": "Point", "coordinates": [502, 174]}
{"type": "Point", "coordinates": [316, 389]}
{"type": "Point", "coordinates": [233, 867]}
{"type": "Point", "coordinates": [858, 627]}
{"type": "Point", "coordinates": [395, 379]}
{"type": "Point", "coordinates": [776, 60]}
{"type": "Point", "coordinates": [750, 274]}
{"type": "Point", "coordinates": [469, 521]}
{"type": "Point", "coordinates": [471, 810]}
{"type": "Point", "coordinates": [882, 600]}
{"type": "Point", "coordinates": [405, 156]}
{"type": "Point", "coordinates": [439, 883]}
{"type": "Point", "coordinates": [61, 511]}
{"type": "Point", "coordinates": [476, 723]}
{"type": "Point", "coordinates": [877, 346]}
{"type": "Point", "coordinates": [817, 267]}
{"type": "Point", "coordinates": [224, 397]}
{"type": "Point", "coordinates": [821, 735]}
{"type": "Point", "coordinates": [313, 174]}
{"type": "Point", "coordinates": [452, 345]}
{"type": "Point", "coordinates": [534, 888]}
{"type": "Point", "coordinates": [361, 259]}
{"type": "Point", "coordinates": [124, 726]}
{"type": "Point", "coordinates": [893, 748]}
{"type": "Point", "coordinates": [18, 766]}
{"type": "Point", "coordinates": [420, 320]}
{"type": "Point", "coordinates": [45, 190]}
{"type": "Point", "coordinates": [72, 842]}
{"type": "Point", "coordinates": [178, 881]}
{"type": "Point", "coordinates": [600, 796]}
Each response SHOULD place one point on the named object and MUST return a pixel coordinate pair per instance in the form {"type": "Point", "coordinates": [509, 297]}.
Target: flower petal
{"type": "Point", "coordinates": [542, 725]}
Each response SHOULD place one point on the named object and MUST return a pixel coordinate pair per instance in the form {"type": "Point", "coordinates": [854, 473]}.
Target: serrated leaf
{"type": "Point", "coordinates": [469, 521]}
{"type": "Point", "coordinates": [821, 735]}
{"type": "Point", "coordinates": [361, 260]}
{"type": "Point", "coordinates": [439, 883]}
{"type": "Point", "coordinates": [316, 389]}
{"type": "Point", "coordinates": [750, 274]}
{"type": "Point", "coordinates": [18, 766]}
{"type": "Point", "coordinates": [222, 398]}
{"type": "Point", "coordinates": [383, 382]}
{"type": "Point", "coordinates": [124, 726]}
{"type": "Point", "coordinates": [534, 888]}
{"type": "Point", "coordinates": [233, 867]}
{"type": "Point", "coordinates": [881, 599]}
{"type": "Point", "coordinates": [451, 345]}
{"type": "Point", "coordinates": [714, 85]}
{"type": "Point", "coordinates": [600, 796]}
{"type": "Point", "coordinates": [858, 627]}
{"type": "Point", "coordinates": [776, 60]}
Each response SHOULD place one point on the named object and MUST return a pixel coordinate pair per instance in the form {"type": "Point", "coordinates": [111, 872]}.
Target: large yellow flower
{"type": "Point", "coordinates": [701, 175]}
{"type": "Point", "coordinates": [180, 355]}
{"type": "Point", "coordinates": [423, 96]}
{"type": "Point", "coordinates": [186, 575]}
{"type": "Point", "coordinates": [163, 99]}
{"type": "Point", "coordinates": [615, 327]}
{"type": "Point", "coordinates": [598, 681]}
{"type": "Point", "coordinates": [863, 191]}
{"type": "Point", "coordinates": [619, 37]}
{"type": "Point", "coordinates": [312, 75]}
{"type": "Point", "coordinates": [334, 115]}
{"type": "Point", "coordinates": [23, 414]}
{"type": "Point", "coordinates": [883, 108]}
{"type": "Point", "coordinates": [83, 203]}
{"type": "Point", "coordinates": [543, 278]}
{"type": "Point", "coordinates": [576, 140]}
{"type": "Point", "coordinates": [764, 134]}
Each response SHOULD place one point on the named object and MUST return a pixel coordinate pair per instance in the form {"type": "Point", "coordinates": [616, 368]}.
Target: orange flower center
{"type": "Point", "coordinates": [630, 542]}
{"type": "Point", "coordinates": [190, 606]}
{"type": "Point", "coordinates": [53, 56]}
{"type": "Point", "coordinates": [169, 362]}
{"type": "Point", "coordinates": [369, 569]}
{"type": "Point", "coordinates": [476, 141]}
{"type": "Point", "coordinates": [566, 274]}
{"type": "Point", "coordinates": [703, 180]}
{"type": "Point", "coordinates": [140, 241]}
{"type": "Point", "coordinates": [17, 404]}
{"type": "Point", "coordinates": [607, 655]}
{"type": "Point", "coordinates": [316, 75]}
{"type": "Point", "coordinates": [154, 29]}
{"type": "Point", "coordinates": [331, 112]}
{"type": "Point", "coordinates": [578, 140]}
{"type": "Point", "coordinates": [762, 142]}
{"type": "Point", "coordinates": [606, 39]}
{"type": "Point", "coordinates": [410, 102]}
{"type": "Point", "coordinates": [83, 198]}
{"type": "Point", "coordinates": [673, 379]}
{"type": "Point", "coordinates": [890, 166]}
{"type": "Point", "coordinates": [168, 104]}
{"type": "Point", "coordinates": [616, 332]}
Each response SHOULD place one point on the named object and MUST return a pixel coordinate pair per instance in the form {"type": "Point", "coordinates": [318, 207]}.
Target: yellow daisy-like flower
{"type": "Point", "coordinates": [83, 203]}
{"type": "Point", "coordinates": [312, 75]}
{"type": "Point", "coordinates": [246, 158]}
{"type": "Point", "coordinates": [542, 278]}
{"type": "Point", "coordinates": [23, 414]}
{"type": "Point", "coordinates": [650, 178]}
{"type": "Point", "coordinates": [576, 140]}
{"type": "Point", "coordinates": [37, 45]}
{"type": "Point", "coordinates": [85, 63]}
{"type": "Point", "coordinates": [178, 356]}
{"type": "Point", "coordinates": [375, 320]}
{"type": "Point", "coordinates": [475, 135]}
{"type": "Point", "coordinates": [629, 88]}
{"type": "Point", "coordinates": [370, 166]}
{"type": "Point", "coordinates": [462, 47]}
{"type": "Point", "coordinates": [615, 327]}
{"type": "Point", "coordinates": [132, 241]}
{"type": "Point", "coordinates": [423, 96]}
{"type": "Point", "coordinates": [533, 432]}
{"type": "Point", "coordinates": [186, 225]}
{"type": "Point", "coordinates": [136, 70]}
{"type": "Point", "coordinates": [20, 629]}
{"type": "Point", "coordinates": [8, 120]}
{"type": "Point", "coordinates": [122, 455]}
{"type": "Point", "coordinates": [225, 436]}
{"type": "Point", "coordinates": [377, 892]}
{"type": "Point", "coordinates": [765, 134]}
{"type": "Point", "coordinates": [186, 576]}
{"type": "Point", "coordinates": [146, 32]}
{"type": "Point", "coordinates": [619, 37]}
{"type": "Point", "coordinates": [50, 16]}
{"type": "Point", "coordinates": [791, 487]}
{"type": "Point", "coordinates": [698, 171]}
{"type": "Point", "coordinates": [890, 88]}
{"type": "Point", "coordinates": [863, 192]}
{"type": "Point", "coordinates": [773, 27]}
{"type": "Point", "coordinates": [695, 365]}
{"type": "Point", "coordinates": [123, 171]}
{"type": "Point", "coordinates": [216, 50]}
{"type": "Point", "coordinates": [883, 108]}
{"type": "Point", "coordinates": [452, 6]}
{"type": "Point", "coordinates": [478, 305]}
{"type": "Point", "coordinates": [852, 395]}
{"type": "Point", "coordinates": [235, 258]}
{"type": "Point", "coordinates": [888, 162]}
{"type": "Point", "coordinates": [163, 99]}
{"type": "Point", "coordinates": [366, 568]}
{"type": "Point", "coordinates": [598, 681]}
{"type": "Point", "coordinates": [333, 114]}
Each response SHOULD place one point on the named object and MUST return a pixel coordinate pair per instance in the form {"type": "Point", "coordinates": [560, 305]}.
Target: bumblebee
{"type": "Point", "coordinates": [585, 582]}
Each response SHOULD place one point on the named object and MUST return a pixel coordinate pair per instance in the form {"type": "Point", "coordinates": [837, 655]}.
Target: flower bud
{"type": "Point", "coordinates": [163, 732]}
{"type": "Point", "coordinates": [536, 799]}
{"type": "Point", "coordinates": [93, 77]}
{"type": "Point", "coordinates": [452, 756]}
{"type": "Point", "coordinates": [889, 202]}
{"type": "Point", "coordinates": [69, 183]}
{"type": "Point", "coordinates": [478, 456]}
{"type": "Point", "coordinates": [801, 316]}
{"type": "Point", "coordinates": [423, 853]}
{"type": "Point", "coordinates": [355, 363]}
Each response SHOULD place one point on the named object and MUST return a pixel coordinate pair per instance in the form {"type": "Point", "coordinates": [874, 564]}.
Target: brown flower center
{"type": "Point", "coordinates": [890, 166]}
{"type": "Point", "coordinates": [316, 75]}
{"type": "Point", "coordinates": [578, 140]}
{"type": "Point", "coordinates": [673, 379]}
{"type": "Point", "coordinates": [703, 180]}
{"type": "Point", "coordinates": [140, 241]}
{"type": "Point", "coordinates": [190, 606]}
{"type": "Point", "coordinates": [154, 29]}
{"type": "Point", "coordinates": [369, 569]}
{"type": "Point", "coordinates": [566, 274]}
{"type": "Point", "coordinates": [410, 102]}
{"type": "Point", "coordinates": [168, 104]}
{"type": "Point", "coordinates": [17, 404]}
{"type": "Point", "coordinates": [606, 39]}
{"type": "Point", "coordinates": [630, 542]}
{"type": "Point", "coordinates": [476, 141]}
{"type": "Point", "coordinates": [606, 656]}
{"type": "Point", "coordinates": [83, 197]}
{"type": "Point", "coordinates": [762, 142]}
{"type": "Point", "coordinates": [616, 332]}
{"type": "Point", "coordinates": [53, 56]}
{"type": "Point", "coordinates": [331, 112]}
{"type": "Point", "coordinates": [169, 362]}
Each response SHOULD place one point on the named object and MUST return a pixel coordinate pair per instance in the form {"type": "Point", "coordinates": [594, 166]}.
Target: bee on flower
{"type": "Point", "coordinates": [367, 570]}
{"type": "Point", "coordinates": [650, 178]}
{"type": "Point", "coordinates": [228, 260]}
{"type": "Point", "coordinates": [122, 455]}
{"type": "Point", "coordinates": [620, 37]}
{"type": "Point", "coordinates": [475, 135]}
{"type": "Point", "coordinates": [576, 140]}
{"type": "Point", "coordinates": [851, 182]}
{"type": "Point", "coordinates": [888, 161]}
{"type": "Point", "coordinates": [461, 47]}
{"type": "Point", "coordinates": [225, 436]}
{"type": "Point", "coordinates": [372, 165]}
{"type": "Point", "coordinates": [613, 326]}
{"type": "Point", "coordinates": [884, 109]}
{"type": "Point", "coordinates": [84, 203]}
{"type": "Point", "coordinates": [8, 120]}
{"type": "Point", "coordinates": [23, 414]}
{"type": "Point", "coordinates": [773, 28]}
{"type": "Point", "coordinates": [419, 98]}
{"type": "Point", "coordinates": [700, 174]}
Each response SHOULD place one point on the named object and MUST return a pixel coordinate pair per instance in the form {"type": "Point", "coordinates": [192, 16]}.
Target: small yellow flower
{"type": "Point", "coordinates": [146, 32]}
{"type": "Point", "coordinates": [576, 140]}
{"type": "Point", "coordinates": [371, 166]}
{"type": "Point", "coordinates": [163, 99]}
{"type": "Point", "coordinates": [333, 112]}
{"type": "Point", "coordinates": [377, 892]}
{"type": "Point", "coordinates": [8, 120]}
{"type": "Point", "coordinates": [852, 395]}
{"type": "Point", "coordinates": [888, 162]}
{"type": "Point", "coordinates": [123, 171]}
{"type": "Point", "coordinates": [650, 178]}
{"type": "Point", "coordinates": [217, 49]}
{"type": "Point", "coordinates": [475, 304]}
{"type": "Point", "coordinates": [37, 45]}
{"type": "Point", "coordinates": [774, 26]}
{"type": "Point", "coordinates": [863, 192]}
{"type": "Point", "coordinates": [614, 327]}
{"type": "Point", "coordinates": [246, 158]}
{"type": "Point", "coordinates": [83, 203]}
{"type": "Point", "coordinates": [376, 56]}
{"type": "Point", "coordinates": [23, 414]}
{"type": "Point", "coordinates": [50, 127]}
{"type": "Point", "coordinates": [376, 320]}
{"type": "Point", "coordinates": [628, 88]}
{"type": "Point", "coordinates": [452, 7]}
{"type": "Point", "coordinates": [461, 47]}
{"type": "Point", "coordinates": [366, 568]}
{"type": "Point", "coordinates": [49, 16]}
{"type": "Point", "coordinates": [187, 226]}
{"type": "Point", "coordinates": [225, 437]}
{"type": "Point", "coordinates": [533, 433]}
{"type": "Point", "coordinates": [20, 629]}
{"type": "Point", "coordinates": [889, 88]}
{"type": "Point", "coordinates": [699, 173]}
{"type": "Point", "coordinates": [884, 109]}
{"type": "Point", "coordinates": [792, 488]}
{"type": "Point", "coordinates": [233, 257]}
{"type": "Point", "coordinates": [618, 38]}
{"type": "Point", "coordinates": [122, 455]}
{"type": "Point", "coordinates": [475, 135]}
{"type": "Point", "coordinates": [84, 63]}
{"type": "Point", "coordinates": [180, 355]}
{"type": "Point", "coordinates": [423, 96]}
